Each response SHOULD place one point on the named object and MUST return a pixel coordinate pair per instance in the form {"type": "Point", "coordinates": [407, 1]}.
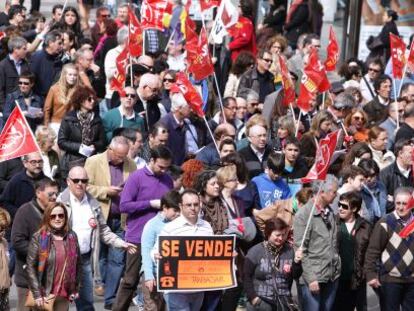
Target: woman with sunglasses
{"type": "Point", "coordinates": [81, 133]}
{"type": "Point", "coordinates": [353, 237]}
{"type": "Point", "coordinates": [356, 124]}
{"type": "Point", "coordinates": [53, 260]}
{"type": "Point", "coordinates": [57, 100]}
{"type": "Point", "coordinates": [167, 82]}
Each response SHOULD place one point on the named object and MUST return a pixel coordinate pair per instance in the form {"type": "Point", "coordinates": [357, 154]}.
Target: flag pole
{"type": "Point", "coordinates": [402, 79]}
{"type": "Point", "coordinates": [297, 124]}
{"type": "Point", "coordinates": [293, 112]}
{"type": "Point", "coordinates": [143, 42]}
{"type": "Point", "coordinates": [211, 134]}
{"type": "Point", "coordinates": [323, 100]}
{"type": "Point", "coordinates": [130, 57]}
{"type": "Point", "coordinates": [310, 216]}
{"type": "Point", "coordinates": [395, 100]}
{"type": "Point", "coordinates": [169, 40]}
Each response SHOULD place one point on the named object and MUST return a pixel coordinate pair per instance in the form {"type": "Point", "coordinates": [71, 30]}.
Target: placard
{"type": "Point", "coordinates": [196, 263]}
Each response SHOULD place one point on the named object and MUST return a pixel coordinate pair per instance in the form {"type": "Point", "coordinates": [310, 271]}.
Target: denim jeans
{"type": "Point", "coordinates": [112, 263]}
{"type": "Point", "coordinates": [85, 300]}
{"type": "Point", "coordinates": [12, 259]}
{"type": "Point", "coordinates": [323, 301]}
{"type": "Point", "coordinates": [396, 295]}
{"type": "Point", "coordinates": [184, 301]}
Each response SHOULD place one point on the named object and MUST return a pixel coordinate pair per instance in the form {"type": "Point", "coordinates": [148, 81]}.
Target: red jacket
{"type": "Point", "coordinates": [244, 37]}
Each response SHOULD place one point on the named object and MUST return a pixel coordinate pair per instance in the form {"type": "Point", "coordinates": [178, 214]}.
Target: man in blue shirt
{"type": "Point", "coordinates": [270, 185]}
{"type": "Point", "coordinates": [170, 210]}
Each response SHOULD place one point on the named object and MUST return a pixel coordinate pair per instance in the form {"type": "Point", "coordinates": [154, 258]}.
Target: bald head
{"type": "Point", "coordinates": [148, 86]}
{"type": "Point", "coordinates": [224, 130]}
{"type": "Point", "coordinates": [77, 181]}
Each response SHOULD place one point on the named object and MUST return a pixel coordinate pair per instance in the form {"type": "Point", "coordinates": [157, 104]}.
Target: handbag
{"type": "Point", "coordinates": [49, 300]}
{"type": "Point", "coordinates": [283, 303]}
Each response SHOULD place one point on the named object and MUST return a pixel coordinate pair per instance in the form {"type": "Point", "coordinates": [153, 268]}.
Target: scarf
{"type": "Point", "coordinates": [295, 4]}
{"type": "Point", "coordinates": [4, 266]}
{"type": "Point", "coordinates": [274, 253]}
{"type": "Point", "coordinates": [71, 247]}
{"type": "Point", "coordinates": [216, 214]}
{"type": "Point", "coordinates": [85, 120]}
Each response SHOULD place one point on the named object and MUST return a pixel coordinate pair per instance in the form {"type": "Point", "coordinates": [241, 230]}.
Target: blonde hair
{"type": "Point", "coordinates": [5, 219]}
{"type": "Point", "coordinates": [226, 173]}
{"type": "Point", "coordinates": [65, 89]}
{"type": "Point", "coordinates": [256, 119]}
{"type": "Point", "coordinates": [43, 134]}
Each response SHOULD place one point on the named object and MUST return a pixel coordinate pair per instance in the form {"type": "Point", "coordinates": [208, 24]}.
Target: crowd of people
{"type": "Point", "coordinates": [116, 169]}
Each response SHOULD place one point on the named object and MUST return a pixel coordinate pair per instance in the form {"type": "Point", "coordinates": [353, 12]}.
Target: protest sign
{"type": "Point", "coordinates": [196, 263]}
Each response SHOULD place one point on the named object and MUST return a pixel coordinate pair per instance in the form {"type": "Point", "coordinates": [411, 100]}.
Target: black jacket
{"type": "Point", "coordinates": [404, 132]}
{"type": "Point", "coordinates": [360, 235]}
{"type": "Point", "coordinates": [392, 178]}
{"type": "Point", "coordinates": [250, 80]}
{"type": "Point", "coordinates": [276, 18]}
{"type": "Point", "coordinates": [298, 24]}
{"type": "Point", "coordinates": [70, 140]}
{"type": "Point", "coordinates": [8, 169]}
{"type": "Point", "coordinates": [153, 112]}
{"type": "Point", "coordinates": [254, 166]}
{"type": "Point", "coordinates": [9, 78]}
{"type": "Point", "coordinates": [28, 219]}
{"type": "Point", "coordinates": [380, 45]}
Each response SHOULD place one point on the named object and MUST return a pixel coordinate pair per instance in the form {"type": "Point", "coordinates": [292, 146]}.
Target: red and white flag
{"type": "Point", "coordinates": [198, 57]}
{"type": "Point", "coordinates": [410, 59]}
{"type": "Point", "coordinates": [397, 56]}
{"type": "Point", "coordinates": [16, 139]}
{"type": "Point", "coordinates": [324, 152]}
{"type": "Point", "coordinates": [207, 4]}
{"type": "Point", "coordinates": [118, 80]}
{"type": "Point", "coordinates": [332, 51]}
{"type": "Point", "coordinates": [135, 34]}
{"type": "Point", "coordinates": [227, 16]}
{"type": "Point", "coordinates": [192, 96]}
{"type": "Point", "coordinates": [409, 228]}
{"type": "Point", "coordinates": [152, 13]}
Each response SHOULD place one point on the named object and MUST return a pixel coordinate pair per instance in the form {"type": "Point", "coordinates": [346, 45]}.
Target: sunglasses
{"type": "Point", "coordinates": [105, 15]}
{"type": "Point", "coordinates": [343, 206]}
{"type": "Point", "coordinates": [24, 83]}
{"type": "Point", "coordinates": [357, 118]}
{"type": "Point", "coordinates": [57, 216]}
{"type": "Point", "coordinates": [130, 95]}
{"type": "Point", "coordinates": [78, 180]}
{"type": "Point", "coordinates": [91, 99]}
{"type": "Point", "coordinates": [35, 162]}
{"type": "Point", "coordinates": [269, 61]}
{"type": "Point", "coordinates": [373, 70]}
{"type": "Point", "coordinates": [52, 194]}
{"type": "Point", "coordinates": [168, 80]}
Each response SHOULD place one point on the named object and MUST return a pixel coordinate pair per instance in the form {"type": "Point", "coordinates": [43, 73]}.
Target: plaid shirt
{"type": "Point", "coordinates": [152, 35]}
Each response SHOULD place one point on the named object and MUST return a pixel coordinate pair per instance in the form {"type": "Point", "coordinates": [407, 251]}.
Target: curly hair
{"type": "Point", "coordinates": [242, 63]}
{"type": "Point", "coordinates": [111, 27]}
{"type": "Point", "coordinates": [201, 181]}
{"type": "Point", "coordinates": [80, 95]}
{"type": "Point", "coordinates": [279, 39]}
{"type": "Point", "coordinates": [191, 169]}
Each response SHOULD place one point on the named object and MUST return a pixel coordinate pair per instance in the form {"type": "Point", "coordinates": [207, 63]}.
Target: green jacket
{"type": "Point", "coordinates": [112, 120]}
{"type": "Point", "coordinates": [321, 261]}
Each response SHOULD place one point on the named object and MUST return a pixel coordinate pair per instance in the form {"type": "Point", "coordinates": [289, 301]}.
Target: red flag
{"type": "Point", "coordinates": [16, 139]}
{"type": "Point", "coordinates": [183, 85]}
{"type": "Point", "coordinates": [117, 82]}
{"type": "Point", "coordinates": [332, 51]}
{"type": "Point", "coordinates": [198, 58]}
{"type": "Point", "coordinates": [152, 13]}
{"type": "Point", "coordinates": [410, 59]}
{"type": "Point", "coordinates": [207, 4]}
{"type": "Point", "coordinates": [323, 157]}
{"type": "Point", "coordinates": [287, 83]}
{"type": "Point", "coordinates": [314, 80]}
{"type": "Point", "coordinates": [135, 34]}
{"type": "Point", "coordinates": [397, 56]}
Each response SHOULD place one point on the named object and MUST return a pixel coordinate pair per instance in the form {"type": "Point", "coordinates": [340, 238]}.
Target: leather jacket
{"type": "Point", "coordinates": [41, 284]}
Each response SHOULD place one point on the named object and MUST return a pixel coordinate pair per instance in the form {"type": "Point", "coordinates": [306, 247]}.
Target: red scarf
{"type": "Point", "coordinates": [295, 4]}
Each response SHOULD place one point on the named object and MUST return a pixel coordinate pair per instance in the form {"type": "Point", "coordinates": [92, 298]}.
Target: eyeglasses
{"type": "Point", "coordinates": [269, 61]}
{"type": "Point", "coordinates": [231, 108]}
{"type": "Point", "coordinates": [358, 118]}
{"type": "Point", "coordinates": [131, 95]}
{"type": "Point", "coordinates": [35, 162]}
{"type": "Point", "coordinates": [24, 83]}
{"type": "Point", "coordinates": [91, 99]}
{"type": "Point", "coordinates": [56, 216]}
{"type": "Point", "coordinates": [105, 15]}
{"type": "Point", "coordinates": [401, 203]}
{"type": "Point", "coordinates": [168, 80]}
{"type": "Point", "coordinates": [373, 70]}
{"type": "Point", "coordinates": [78, 180]}
{"type": "Point", "coordinates": [52, 194]}
{"type": "Point", "coordinates": [343, 206]}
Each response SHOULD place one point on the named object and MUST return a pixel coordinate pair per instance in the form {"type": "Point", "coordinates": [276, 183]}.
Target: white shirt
{"type": "Point", "coordinates": [403, 171]}
{"type": "Point", "coordinates": [110, 68]}
{"type": "Point", "coordinates": [259, 154]}
{"type": "Point", "coordinates": [365, 90]}
{"type": "Point", "coordinates": [81, 215]}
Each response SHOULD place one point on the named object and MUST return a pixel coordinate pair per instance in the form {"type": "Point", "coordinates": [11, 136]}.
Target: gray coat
{"type": "Point", "coordinates": [100, 233]}
{"type": "Point", "coordinates": [321, 261]}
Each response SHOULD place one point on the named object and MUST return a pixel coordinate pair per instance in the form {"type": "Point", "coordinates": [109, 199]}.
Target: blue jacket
{"type": "Point", "coordinates": [375, 202]}
{"type": "Point", "coordinates": [36, 101]}
{"type": "Point", "coordinates": [270, 190]}
{"type": "Point", "coordinates": [176, 138]}
{"type": "Point", "coordinates": [209, 156]}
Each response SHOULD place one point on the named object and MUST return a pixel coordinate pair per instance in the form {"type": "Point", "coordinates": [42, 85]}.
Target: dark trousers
{"type": "Point", "coordinates": [129, 282]}
{"type": "Point", "coordinates": [396, 295]}
{"type": "Point", "coordinates": [35, 6]}
{"type": "Point", "coordinates": [230, 298]}
{"type": "Point", "coordinates": [347, 299]}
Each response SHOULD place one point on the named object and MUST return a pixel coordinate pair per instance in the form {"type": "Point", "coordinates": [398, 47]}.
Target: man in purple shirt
{"type": "Point", "coordinates": [141, 200]}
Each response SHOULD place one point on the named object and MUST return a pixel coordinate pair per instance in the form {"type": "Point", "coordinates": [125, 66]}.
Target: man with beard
{"type": "Point", "coordinates": [147, 104]}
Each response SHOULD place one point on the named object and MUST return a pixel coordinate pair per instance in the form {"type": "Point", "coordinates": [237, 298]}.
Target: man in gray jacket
{"type": "Point", "coordinates": [321, 262]}
{"type": "Point", "coordinates": [88, 222]}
